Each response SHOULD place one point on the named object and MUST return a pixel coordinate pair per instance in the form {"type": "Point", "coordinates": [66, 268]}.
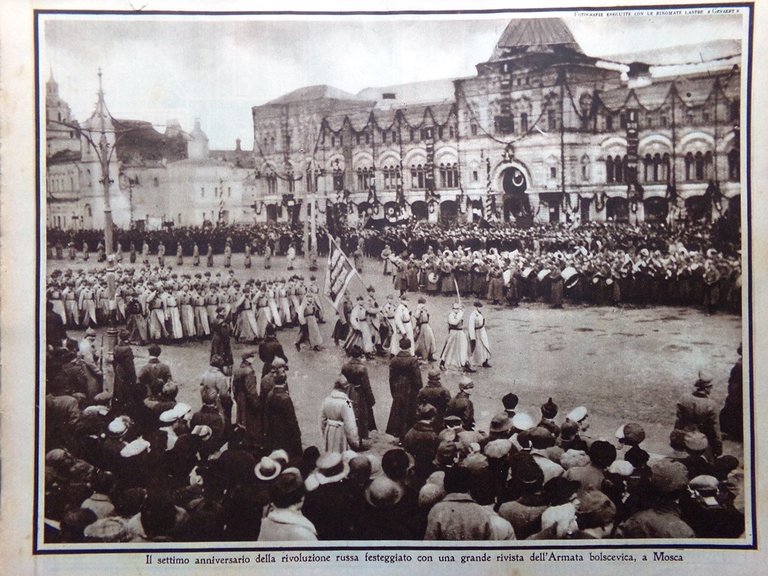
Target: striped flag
{"type": "Point", "coordinates": [490, 197]}
{"type": "Point", "coordinates": [338, 273]}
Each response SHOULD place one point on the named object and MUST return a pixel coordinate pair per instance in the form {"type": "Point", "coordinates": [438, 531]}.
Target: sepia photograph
{"type": "Point", "coordinates": [420, 286]}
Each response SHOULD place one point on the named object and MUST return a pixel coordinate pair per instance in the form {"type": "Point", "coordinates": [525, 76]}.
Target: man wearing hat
{"type": "Point", "coordinates": [403, 327]}
{"type": "Point", "coordinates": [337, 419]}
{"type": "Point", "coordinates": [548, 413]}
{"type": "Point", "coordinates": [91, 363]}
{"type": "Point", "coordinates": [127, 391]}
{"type": "Point", "coordinates": [479, 345]}
{"type": "Point", "coordinates": [697, 411]}
{"type": "Point", "coordinates": [215, 379]}
{"type": "Point", "coordinates": [277, 374]}
{"type": "Point", "coordinates": [661, 518]}
{"type": "Point", "coordinates": [281, 427]}
{"type": "Point", "coordinates": [285, 521]}
{"type": "Point", "coordinates": [210, 415]}
{"type": "Point", "coordinates": [404, 384]}
{"type": "Point", "coordinates": [458, 516]}
{"type": "Point", "coordinates": [360, 392]}
{"type": "Point", "coordinates": [221, 341]}
{"type": "Point", "coordinates": [461, 406]}
{"type": "Point", "coordinates": [437, 395]}
{"type": "Point", "coordinates": [327, 505]}
{"type": "Point", "coordinates": [269, 349]}
{"type": "Point", "coordinates": [421, 441]}
{"type": "Point", "coordinates": [154, 369]}
{"type": "Point", "coordinates": [245, 389]}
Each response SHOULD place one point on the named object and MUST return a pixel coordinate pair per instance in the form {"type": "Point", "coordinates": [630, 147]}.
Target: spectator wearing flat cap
{"type": "Point", "coordinates": [404, 385]}
{"type": "Point", "coordinates": [421, 441]}
{"type": "Point", "coordinates": [457, 516]}
{"type": "Point", "coordinates": [215, 379]}
{"type": "Point", "coordinates": [337, 419]}
{"type": "Point", "coordinates": [245, 389]}
{"type": "Point", "coordinates": [209, 415]}
{"type": "Point", "coordinates": [708, 508]}
{"type": "Point", "coordinates": [285, 521]}
{"type": "Point", "coordinates": [696, 461]}
{"type": "Point", "coordinates": [360, 392]}
{"type": "Point", "coordinates": [590, 477]}
{"type": "Point", "coordinates": [461, 406]}
{"type": "Point", "coordinates": [661, 516]}
{"type": "Point", "coordinates": [437, 395]}
{"type": "Point", "coordinates": [500, 427]}
{"type": "Point", "coordinates": [697, 411]}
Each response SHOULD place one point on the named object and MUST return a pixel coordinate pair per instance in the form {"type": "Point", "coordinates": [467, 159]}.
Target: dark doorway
{"type": "Point", "coordinates": [617, 209]}
{"type": "Point", "coordinates": [656, 209]}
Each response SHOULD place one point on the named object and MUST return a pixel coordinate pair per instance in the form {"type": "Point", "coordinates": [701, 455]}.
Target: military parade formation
{"type": "Point", "coordinates": [130, 462]}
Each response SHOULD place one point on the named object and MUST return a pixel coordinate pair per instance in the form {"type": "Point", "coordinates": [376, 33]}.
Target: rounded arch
{"type": "Point", "coordinates": [415, 156]}
{"type": "Point", "coordinates": [656, 143]}
{"type": "Point", "coordinates": [696, 141]}
{"type": "Point", "coordinates": [389, 158]}
{"type": "Point", "coordinates": [449, 211]}
{"type": "Point", "coordinates": [362, 159]}
{"type": "Point", "coordinates": [419, 210]}
{"type": "Point", "coordinates": [446, 154]}
{"type": "Point", "coordinates": [497, 173]}
{"type": "Point", "coordinates": [614, 142]}
{"type": "Point", "coordinates": [335, 162]}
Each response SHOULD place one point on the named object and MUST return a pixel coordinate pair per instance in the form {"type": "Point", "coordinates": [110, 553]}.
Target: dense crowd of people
{"type": "Point", "coordinates": [137, 465]}
{"type": "Point", "coordinates": [134, 464]}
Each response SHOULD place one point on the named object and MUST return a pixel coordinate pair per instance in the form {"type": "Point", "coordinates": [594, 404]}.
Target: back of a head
{"type": "Point", "coordinates": [158, 514]}
{"type": "Point", "coordinates": [457, 480]}
{"type": "Point", "coordinates": [287, 490]}
{"type": "Point", "coordinates": [395, 463]}
{"type": "Point", "coordinates": [602, 454]}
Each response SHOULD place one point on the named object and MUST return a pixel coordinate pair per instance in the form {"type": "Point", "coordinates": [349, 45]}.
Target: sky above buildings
{"type": "Point", "coordinates": [158, 68]}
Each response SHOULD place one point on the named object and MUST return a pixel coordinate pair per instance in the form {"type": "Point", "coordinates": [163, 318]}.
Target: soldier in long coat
{"type": "Point", "coordinates": [127, 391]}
{"type": "Point", "coordinates": [245, 388]}
{"type": "Point", "coordinates": [337, 419]}
{"type": "Point", "coordinates": [221, 340]}
{"type": "Point", "coordinates": [360, 392]}
{"type": "Point", "coordinates": [480, 347]}
{"type": "Point", "coordinates": [360, 333]}
{"type": "Point", "coordinates": [281, 427]}
{"type": "Point", "coordinates": [404, 384]}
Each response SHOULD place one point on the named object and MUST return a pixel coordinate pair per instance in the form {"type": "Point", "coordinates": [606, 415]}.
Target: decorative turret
{"type": "Point", "coordinates": [197, 146]}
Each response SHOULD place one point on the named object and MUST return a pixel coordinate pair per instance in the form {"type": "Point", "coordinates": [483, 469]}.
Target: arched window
{"type": "Point", "coordinates": [391, 177]}
{"type": "Point", "coordinates": [708, 164]}
{"type": "Point", "coordinates": [656, 166]}
{"type": "Point", "coordinates": [364, 178]}
{"type": "Point", "coordinates": [585, 169]}
{"type": "Point", "coordinates": [523, 122]}
{"type": "Point", "coordinates": [619, 167]}
{"type": "Point", "coordinates": [449, 175]}
{"type": "Point", "coordinates": [648, 168]}
{"type": "Point", "coordinates": [664, 172]}
{"type": "Point", "coordinates": [609, 173]}
{"type": "Point", "coordinates": [699, 161]}
{"type": "Point", "coordinates": [734, 161]}
{"type": "Point", "coordinates": [689, 166]}
{"type": "Point", "coordinates": [418, 177]}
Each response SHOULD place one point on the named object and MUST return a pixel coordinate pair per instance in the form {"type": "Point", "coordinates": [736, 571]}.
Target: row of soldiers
{"type": "Point", "coordinates": [679, 277]}
{"type": "Point", "coordinates": [156, 304]}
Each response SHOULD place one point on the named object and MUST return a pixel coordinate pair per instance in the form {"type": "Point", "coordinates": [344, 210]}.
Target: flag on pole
{"type": "Point", "coordinates": [338, 273]}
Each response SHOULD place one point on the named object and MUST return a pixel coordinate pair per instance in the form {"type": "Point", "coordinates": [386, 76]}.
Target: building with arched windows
{"type": "Point", "coordinates": [542, 133]}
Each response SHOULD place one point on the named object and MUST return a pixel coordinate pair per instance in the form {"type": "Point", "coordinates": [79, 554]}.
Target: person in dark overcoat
{"type": "Point", "coordinates": [270, 349]}
{"type": "Point", "coordinates": [437, 395]}
{"type": "Point", "coordinates": [421, 441]}
{"type": "Point", "coordinates": [220, 341]}
{"type": "Point", "coordinates": [127, 391]}
{"type": "Point", "coordinates": [404, 384]}
{"type": "Point", "coordinates": [245, 388]}
{"type": "Point", "coordinates": [281, 427]}
{"type": "Point", "coordinates": [360, 392]}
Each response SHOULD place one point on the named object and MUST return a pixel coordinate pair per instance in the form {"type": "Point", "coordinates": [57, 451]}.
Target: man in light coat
{"type": "Point", "coordinates": [479, 345]}
{"type": "Point", "coordinates": [337, 419]}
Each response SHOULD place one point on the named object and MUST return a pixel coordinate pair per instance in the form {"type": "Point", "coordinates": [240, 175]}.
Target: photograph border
{"type": "Point", "coordinates": [41, 549]}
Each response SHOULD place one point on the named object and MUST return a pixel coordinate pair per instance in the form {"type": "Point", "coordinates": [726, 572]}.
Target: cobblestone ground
{"type": "Point", "coordinates": [624, 364]}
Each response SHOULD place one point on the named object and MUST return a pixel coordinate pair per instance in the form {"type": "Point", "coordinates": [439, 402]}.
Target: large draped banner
{"type": "Point", "coordinates": [338, 273]}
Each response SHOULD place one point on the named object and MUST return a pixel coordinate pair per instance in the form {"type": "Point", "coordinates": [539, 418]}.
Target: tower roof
{"type": "Point", "coordinates": [526, 35]}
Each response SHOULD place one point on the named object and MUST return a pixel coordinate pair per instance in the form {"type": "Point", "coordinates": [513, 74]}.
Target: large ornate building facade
{"type": "Point", "coordinates": [541, 133]}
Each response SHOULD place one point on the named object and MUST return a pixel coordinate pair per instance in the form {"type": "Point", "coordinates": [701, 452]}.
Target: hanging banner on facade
{"type": "Point", "coordinates": [429, 176]}
{"type": "Point", "coordinates": [338, 273]}
{"type": "Point", "coordinates": [632, 144]}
